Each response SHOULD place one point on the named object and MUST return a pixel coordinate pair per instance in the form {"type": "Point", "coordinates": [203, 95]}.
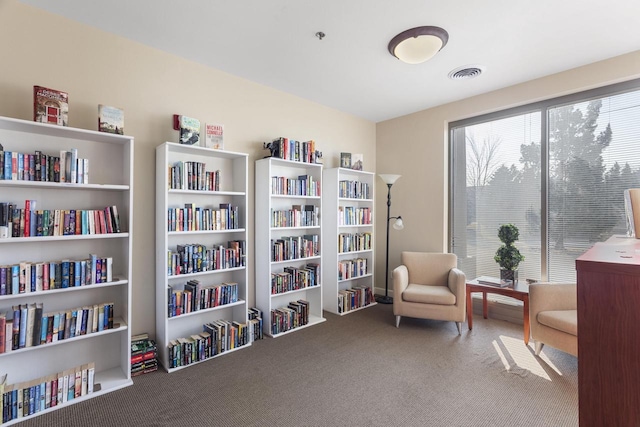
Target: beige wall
{"type": "Point", "coordinates": [415, 146]}
{"type": "Point", "coordinates": [38, 48]}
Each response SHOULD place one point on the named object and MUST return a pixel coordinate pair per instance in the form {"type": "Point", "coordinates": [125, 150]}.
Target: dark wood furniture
{"type": "Point", "coordinates": [520, 292]}
{"type": "Point", "coordinates": [609, 334]}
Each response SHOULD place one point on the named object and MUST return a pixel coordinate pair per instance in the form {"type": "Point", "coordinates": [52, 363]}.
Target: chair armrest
{"type": "Point", "coordinates": [552, 296]}
{"type": "Point", "coordinates": [457, 283]}
{"type": "Point", "coordinates": [400, 280]}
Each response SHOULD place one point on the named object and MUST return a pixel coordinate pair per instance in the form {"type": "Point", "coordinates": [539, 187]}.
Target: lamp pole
{"type": "Point", "coordinates": [398, 225]}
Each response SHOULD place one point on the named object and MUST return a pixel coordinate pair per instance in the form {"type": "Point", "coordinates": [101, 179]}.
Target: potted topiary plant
{"type": "Point", "coordinates": [507, 255]}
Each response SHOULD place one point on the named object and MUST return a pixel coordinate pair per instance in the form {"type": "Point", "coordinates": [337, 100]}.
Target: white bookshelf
{"type": "Point", "coordinates": [335, 203]}
{"type": "Point", "coordinates": [267, 201]}
{"type": "Point", "coordinates": [233, 179]}
{"type": "Point", "coordinates": [110, 159]}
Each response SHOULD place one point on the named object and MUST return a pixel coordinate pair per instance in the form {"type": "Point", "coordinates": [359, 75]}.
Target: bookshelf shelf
{"type": "Point", "coordinates": [347, 190]}
{"type": "Point", "coordinates": [305, 175]}
{"type": "Point", "coordinates": [44, 347]}
{"type": "Point", "coordinates": [110, 158]}
{"type": "Point", "coordinates": [206, 310]}
{"type": "Point", "coordinates": [30, 295]}
{"type": "Point", "coordinates": [231, 169]}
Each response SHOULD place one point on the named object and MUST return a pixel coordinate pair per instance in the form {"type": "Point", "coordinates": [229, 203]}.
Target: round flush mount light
{"type": "Point", "coordinates": [418, 44]}
{"type": "Point", "coordinates": [466, 72]}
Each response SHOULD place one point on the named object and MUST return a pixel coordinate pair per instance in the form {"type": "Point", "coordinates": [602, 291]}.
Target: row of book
{"type": "Point", "coordinates": [297, 216]}
{"type": "Point", "coordinates": [68, 167]}
{"type": "Point", "coordinates": [144, 355]}
{"type": "Point", "coordinates": [351, 242]}
{"type": "Point", "coordinates": [295, 247]}
{"type": "Point", "coordinates": [294, 315]}
{"type": "Point", "coordinates": [354, 190]}
{"type": "Point", "coordinates": [255, 323]}
{"type": "Point", "coordinates": [28, 277]}
{"type": "Point", "coordinates": [356, 297]}
{"type": "Point", "coordinates": [195, 218]}
{"type": "Point", "coordinates": [194, 297]}
{"type": "Point", "coordinates": [297, 151]}
{"type": "Point", "coordinates": [193, 176]}
{"type": "Point", "coordinates": [31, 326]}
{"type": "Point", "coordinates": [195, 257]}
{"type": "Point", "coordinates": [350, 268]}
{"type": "Point", "coordinates": [30, 397]}
{"type": "Point", "coordinates": [216, 337]}
{"type": "Point", "coordinates": [32, 222]}
{"type": "Point", "coordinates": [292, 278]}
{"type": "Point", "coordinates": [304, 185]}
{"type": "Point", "coordinates": [351, 215]}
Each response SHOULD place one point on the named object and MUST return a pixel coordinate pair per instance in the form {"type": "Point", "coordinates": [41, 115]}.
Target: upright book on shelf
{"type": "Point", "coordinates": [110, 119]}
{"type": "Point", "coordinates": [50, 106]}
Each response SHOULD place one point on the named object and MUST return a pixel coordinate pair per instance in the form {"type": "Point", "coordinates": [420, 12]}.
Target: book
{"type": "Point", "coordinates": [189, 129]}
{"type": "Point", "coordinates": [50, 106]}
{"type": "Point", "coordinates": [214, 136]}
{"type": "Point", "coordinates": [345, 160]}
{"type": "Point", "coordinates": [356, 161]}
{"type": "Point", "coordinates": [110, 119]}
{"type": "Point", "coordinates": [494, 281]}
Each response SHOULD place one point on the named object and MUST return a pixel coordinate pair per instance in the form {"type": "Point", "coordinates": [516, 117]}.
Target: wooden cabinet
{"type": "Point", "coordinates": [608, 334]}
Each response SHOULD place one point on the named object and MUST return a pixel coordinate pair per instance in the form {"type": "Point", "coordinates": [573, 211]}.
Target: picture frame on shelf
{"type": "Point", "coordinates": [345, 160]}
{"type": "Point", "coordinates": [357, 161]}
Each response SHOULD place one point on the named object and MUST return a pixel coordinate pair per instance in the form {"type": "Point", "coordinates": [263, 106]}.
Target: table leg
{"type": "Point", "coordinates": [484, 304]}
{"type": "Point", "coordinates": [469, 309]}
{"type": "Point", "coordinates": [526, 319]}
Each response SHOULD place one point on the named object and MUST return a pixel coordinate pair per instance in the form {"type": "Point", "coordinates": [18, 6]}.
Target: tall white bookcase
{"type": "Point", "coordinates": [110, 159]}
{"type": "Point", "coordinates": [284, 190]}
{"type": "Point", "coordinates": [348, 222]}
{"type": "Point", "coordinates": [232, 173]}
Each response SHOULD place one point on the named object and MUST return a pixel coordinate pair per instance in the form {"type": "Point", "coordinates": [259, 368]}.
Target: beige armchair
{"type": "Point", "coordinates": [429, 286]}
{"type": "Point", "coordinates": [554, 316]}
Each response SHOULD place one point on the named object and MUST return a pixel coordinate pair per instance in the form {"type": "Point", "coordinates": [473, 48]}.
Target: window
{"type": "Point", "coordinates": [556, 169]}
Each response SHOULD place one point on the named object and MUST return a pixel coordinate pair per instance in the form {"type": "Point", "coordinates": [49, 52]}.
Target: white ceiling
{"type": "Point", "coordinates": [273, 42]}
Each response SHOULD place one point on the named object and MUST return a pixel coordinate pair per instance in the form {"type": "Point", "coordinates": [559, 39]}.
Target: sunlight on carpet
{"type": "Point", "coordinates": [519, 357]}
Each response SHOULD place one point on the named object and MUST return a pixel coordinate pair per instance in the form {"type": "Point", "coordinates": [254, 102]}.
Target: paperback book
{"type": "Point", "coordinates": [110, 119]}
{"type": "Point", "coordinates": [214, 136]}
{"type": "Point", "coordinates": [189, 129]}
{"type": "Point", "coordinates": [50, 106]}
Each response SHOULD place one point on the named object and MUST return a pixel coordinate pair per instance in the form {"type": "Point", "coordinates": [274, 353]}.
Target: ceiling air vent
{"type": "Point", "coordinates": [466, 72]}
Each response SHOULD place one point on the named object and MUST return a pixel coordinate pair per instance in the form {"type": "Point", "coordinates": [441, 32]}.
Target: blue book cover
{"type": "Point", "coordinates": [106, 317]}
{"type": "Point", "coordinates": [21, 172]}
{"type": "Point", "coordinates": [72, 325]}
{"type": "Point", "coordinates": [43, 330]}
{"type": "Point", "coordinates": [33, 219]}
{"type": "Point", "coordinates": [65, 273]}
{"type": "Point", "coordinates": [33, 277]}
{"type": "Point", "coordinates": [32, 399]}
{"type": "Point", "coordinates": [43, 395]}
{"type": "Point", "coordinates": [56, 327]}
{"type": "Point", "coordinates": [77, 274]}
{"type": "Point", "coordinates": [15, 279]}
{"type": "Point", "coordinates": [14, 404]}
{"type": "Point", "coordinates": [7, 165]}
{"type": "Point", "coordinates": [61, 326]}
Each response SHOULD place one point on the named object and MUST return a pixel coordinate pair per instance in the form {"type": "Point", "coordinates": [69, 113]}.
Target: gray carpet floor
{"type": "Point", "coordinates": [355, 370]}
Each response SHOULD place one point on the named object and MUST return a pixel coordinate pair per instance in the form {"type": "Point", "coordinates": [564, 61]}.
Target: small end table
{"type": "Point", "coordinates": [519, 291]}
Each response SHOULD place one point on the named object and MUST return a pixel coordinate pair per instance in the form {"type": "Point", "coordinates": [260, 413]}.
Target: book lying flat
{"type": "Point", "coordinates": [494, 281]}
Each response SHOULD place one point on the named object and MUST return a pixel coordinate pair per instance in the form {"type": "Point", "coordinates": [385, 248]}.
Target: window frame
{"type": "Point", "coordinates": [543, 107]}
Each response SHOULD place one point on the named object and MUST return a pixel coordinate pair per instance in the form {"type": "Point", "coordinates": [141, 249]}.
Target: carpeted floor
{"type": "Point", "coordinates": [355, 370]}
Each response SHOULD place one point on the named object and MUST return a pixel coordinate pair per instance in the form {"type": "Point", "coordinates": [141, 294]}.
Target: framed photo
{"type": "Point", "coordinates": [345, 160]}
{"type": "Point", "coordinates": [356, 161]}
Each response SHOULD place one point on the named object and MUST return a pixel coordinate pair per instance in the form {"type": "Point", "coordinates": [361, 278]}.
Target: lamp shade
{"type": "Point", "coordinates": [418, 44]}
{"type": "Point", "coordinates": [398, 224]}
{"type": "Point", "coordinates": [389, 178]}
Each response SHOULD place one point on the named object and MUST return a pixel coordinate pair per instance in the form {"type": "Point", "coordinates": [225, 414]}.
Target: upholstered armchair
{"type": "Point", "coordinates": [554, 316]}
{"type": "Point", "coordinates": [429, 286]}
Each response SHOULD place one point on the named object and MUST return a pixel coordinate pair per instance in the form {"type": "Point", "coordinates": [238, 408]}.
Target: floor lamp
{"type": "Point", "coordinates": [389, 179]}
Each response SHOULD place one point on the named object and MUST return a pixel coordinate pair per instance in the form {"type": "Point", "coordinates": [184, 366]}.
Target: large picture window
{"type": "Point", "coordinates": [556, 169]}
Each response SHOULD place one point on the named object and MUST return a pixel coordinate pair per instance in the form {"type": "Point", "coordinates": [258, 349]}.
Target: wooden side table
{"type": "Point", "coordinates": [520, 292]}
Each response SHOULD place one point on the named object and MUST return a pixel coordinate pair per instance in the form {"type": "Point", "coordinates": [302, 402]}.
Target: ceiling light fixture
{"type": "Point", "coordinates": [418, 44]}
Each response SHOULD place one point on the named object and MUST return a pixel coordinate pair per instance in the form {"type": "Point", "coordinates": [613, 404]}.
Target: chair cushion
{"type": "Point", "coordinates": [562, 320]}
{"type": "Point", "coordinates": [428, 294]}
